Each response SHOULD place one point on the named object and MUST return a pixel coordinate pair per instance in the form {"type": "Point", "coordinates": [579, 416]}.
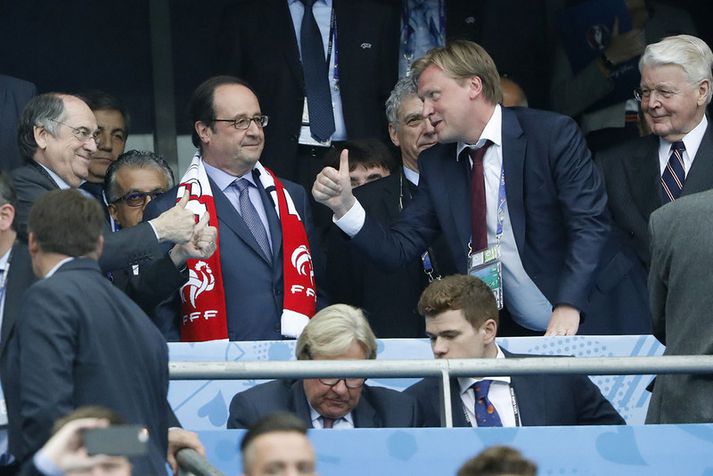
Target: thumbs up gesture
{"type": "Point", "coordinates": [333, 187]}
{"type": "Point", "coordinates": [175, 224]}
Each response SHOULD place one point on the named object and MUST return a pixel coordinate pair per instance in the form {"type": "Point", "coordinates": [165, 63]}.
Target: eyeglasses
{"type": "Point", "coordinates": [243, 123]}
{"type": "Point", "coordinates": [351, 383]}
{"type": "Point", "coordinates": [81, 133]}
{"type": "Point", "coordinates": [643, 94]}
{"type": "Point", "coordinates": [138, 199]}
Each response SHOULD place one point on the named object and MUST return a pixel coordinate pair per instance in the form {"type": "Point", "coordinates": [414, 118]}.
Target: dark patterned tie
{"type": "Point", "coordinates": [485, 412]}
{"type": "Point", "coordinates": [251, 217]}
{"type": "Point", "coordinates": [316, 76]}
{"type": "Point", "coordinates": [478, 208]}
{"type": "Point", "coordinates": [328, 423]}
{"type": "Point", "coordinates": [674, 175]}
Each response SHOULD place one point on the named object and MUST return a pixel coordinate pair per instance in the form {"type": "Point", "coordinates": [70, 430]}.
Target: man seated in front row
{"type": "Point", "coordinates": [461, 322]}
{"type": "Point", "coordinates": [337, 332]}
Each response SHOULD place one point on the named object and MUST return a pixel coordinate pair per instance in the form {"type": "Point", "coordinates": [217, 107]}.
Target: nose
{"type": "Point", "coordinates": [340, 388]}
{"type": "Point", "coordinates": [428, 128]}
{"type": "Point", "coordinates": [103, 141]}
{"type": "Point", "coordinates": [439, 347]}
{"type": "Point", "coordinates": [427, 108]}
{"type": "Point", "coordinates": [90, 145]}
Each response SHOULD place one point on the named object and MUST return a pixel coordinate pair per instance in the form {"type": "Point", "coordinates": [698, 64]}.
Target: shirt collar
{"type": "Point", "coordinates": [223, 179]}
{"type": "Point", "coordinates": [57, 266]}
{"type": "Point", "coordinates": [57, 179]}
{"type": "Point", "coordinates": [466, 382]}
{"type": "Point", "coordinates": [692, 140]}
{"type": "Point", "coordinates": [315, 416]}
{"type": "Point", "coordinates": [4, 258]}
{"type": "Point", "coordinates": [410, 175]}
{"type": "Point", "coordinates": [493, 131]}
{"type": "Point", "coordinates": [325, 2]}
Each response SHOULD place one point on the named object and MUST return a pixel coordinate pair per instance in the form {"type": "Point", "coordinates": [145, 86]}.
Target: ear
{"type": "Point", "coordinates": [203, 130]}
{"type": "Point", "coordinates": [704, 89]}
{"type": "Point", "coordinates": [7, 214]}
{"type": "Point", "coordinates": [40, 134]}
{"type": "Point", "coordinates": [100, 247]}
{"type": "Point", "coordinates": [112, 211]}
{"type": "Point", "coordinates": [33, 246]}
{"type": "Point", "coordinates": [489, 330]}
{"type": "Point", "coordinates": [475, 86]}
{"type": "Point", "coordinates": [393, 136]}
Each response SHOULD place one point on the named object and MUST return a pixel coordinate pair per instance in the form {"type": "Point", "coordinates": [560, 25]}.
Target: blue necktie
{"type": "Point", "coordinates": [316, 76]}
{"type": "Point", "coordinates": [485, 412]}
{"type": "Point", "coordinates": [674, 175]}
{"type": "Point", "coordinates": [251, 217]}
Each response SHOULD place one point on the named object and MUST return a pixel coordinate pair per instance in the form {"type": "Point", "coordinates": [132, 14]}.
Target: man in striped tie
{"type": "Point", "coordinates": [644, 174]}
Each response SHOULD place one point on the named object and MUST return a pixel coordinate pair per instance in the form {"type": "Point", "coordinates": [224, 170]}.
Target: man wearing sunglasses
{"type": "Point", "coordinates": [337, 332]}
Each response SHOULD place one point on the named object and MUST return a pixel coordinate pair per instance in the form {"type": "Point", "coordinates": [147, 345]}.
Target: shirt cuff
{"type": "Point", "coordinates": [352, 221]}
{"type": "Point", "coordinates": [154, 231]}
{"type": "Point", "coordinates": [45, 465]}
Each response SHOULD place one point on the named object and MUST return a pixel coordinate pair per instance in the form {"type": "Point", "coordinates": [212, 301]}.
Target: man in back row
{"type": "Point", "coordinates": [533, 197]}
{"type": "Point", "coordinates": [461, 322]}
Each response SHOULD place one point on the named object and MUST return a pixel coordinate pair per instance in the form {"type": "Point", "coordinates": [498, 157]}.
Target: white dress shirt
{"type": "Point", "coordinates": [692, 141]}
{"type": "Point", "coordinates": [499, 395]}
{"type": "Point", "coordinates": [345, 422]}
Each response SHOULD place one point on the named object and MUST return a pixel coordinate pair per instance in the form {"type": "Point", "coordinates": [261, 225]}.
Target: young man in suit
{"type": "Point", "coordinates": [461, 322]}
{"type": "Point", "coordinates": [337, 332]}
{"type": "Point", "coordinates": [535, 194]}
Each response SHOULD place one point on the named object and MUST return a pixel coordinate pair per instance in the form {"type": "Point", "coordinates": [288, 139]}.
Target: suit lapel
{"type": "Point", "coordinates": [277, 15]}
{"type": "Point", "coordinates": [273, 222]}
{"type": "Point", "coordinates": [228, 216]}
{"type": "Point", "coordinates": [700, 176]}
{"type": "Point", "coordinates": [364, 414]}
{"type": "Point", "coordinates": [19, 278]}
{"type": "Point", "coordinates": [514, 147]}
{"type": "Point", "coordinates": [456, 174]}
{"type": "Point", "coordinates": [299, 405]}
{"type": "Point", "coordinates": [456, 405]}
{"type": "Point", "coordinates": [642, 176]}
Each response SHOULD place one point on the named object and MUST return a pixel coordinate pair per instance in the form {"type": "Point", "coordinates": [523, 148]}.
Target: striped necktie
{"type": "Point", "coordinates": [674, 175]}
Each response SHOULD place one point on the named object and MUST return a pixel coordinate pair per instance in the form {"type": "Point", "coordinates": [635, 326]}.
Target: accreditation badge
{"type": "Point", "coordinates": [486, 266]}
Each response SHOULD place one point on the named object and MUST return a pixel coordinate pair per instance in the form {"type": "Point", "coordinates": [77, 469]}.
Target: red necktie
{"type": "Point", "coordinates": [478, 209]}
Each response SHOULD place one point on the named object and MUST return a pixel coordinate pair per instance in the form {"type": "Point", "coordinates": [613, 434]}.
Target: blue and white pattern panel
{"type": "Point", "coordinates": [203, 404]}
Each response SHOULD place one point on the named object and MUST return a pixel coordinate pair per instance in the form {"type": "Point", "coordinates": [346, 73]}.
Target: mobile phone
{"type": "Point", "coordinates": [117, 440]}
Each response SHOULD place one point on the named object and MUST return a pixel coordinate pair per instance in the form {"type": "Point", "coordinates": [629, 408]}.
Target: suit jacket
{"type": "Point", "coordinates": [19, 278]}
{"type": "Point", "coordinates": [14, 95]}
{"type": "Point", "coordinates": [377, 408]}
{"type": "Point", "coordinates": [367, 48]}
{"type": "Point", "coordinates": [555, 198]}
{"type": "Point", "coordinates": [85, 344]}
{"type": "Point", "coordinates": [681, 301]}
{"type": "Point", "coordinates": [389, 298]}
{"type": "Point", "coordinates": [253, 285]}
{"type": "Point", "coordinates": [121, 249]}
{"type": "Point", "coordinates": [542, 400]}
{"type": "Point", "coordinates": [632, 176]}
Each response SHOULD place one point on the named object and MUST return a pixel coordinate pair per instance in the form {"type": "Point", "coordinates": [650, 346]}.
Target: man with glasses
{"type": "Point", "coordinates": [389, 298]}
{"type": "Point", "coordinates": [337, 332]}
{"type": "Point", "coordinates": [264, 258]}
{"type": "Point", "coordinates": [57, 137]}
{"type": "Point", "coordinates": [646, 173]}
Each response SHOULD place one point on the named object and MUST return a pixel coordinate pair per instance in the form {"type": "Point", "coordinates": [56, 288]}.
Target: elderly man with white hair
{"type": "Point", "coordinates": [337, 332]}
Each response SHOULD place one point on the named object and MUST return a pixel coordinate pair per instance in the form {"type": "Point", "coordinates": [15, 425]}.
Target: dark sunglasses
{"type": "Point", "coordinates": [138, 199]}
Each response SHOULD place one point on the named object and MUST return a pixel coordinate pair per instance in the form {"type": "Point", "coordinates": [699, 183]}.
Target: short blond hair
{"type": "Point", "coordinates": [461, 59]}
{"type": "Point", "coordinates": [333, 330]}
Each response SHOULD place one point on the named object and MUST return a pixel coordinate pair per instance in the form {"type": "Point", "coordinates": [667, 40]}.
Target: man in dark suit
{"type": "Point", "coordinates": [389, 298]}
{"type": "Point", "coordinates": [535, 194]}
{"type": "Point", "coordinates": [681, 300]}
{"type": "Point", "coordinates": [86, 341]}
{"type": "Point", "coordinates": [359, 41]}
{"type": "Point", "coordinates": [57, 139]}
{"type": "Point", "coordinates": [14, 95]}
{"type": "Point", "coordinates": [228, 130]}
{"type": "Point", "coordinates": [461, 322]}
{"type": "Point", "coordinates": [337, 332]}
{"type": "Point", "coordinates": [675, 90]}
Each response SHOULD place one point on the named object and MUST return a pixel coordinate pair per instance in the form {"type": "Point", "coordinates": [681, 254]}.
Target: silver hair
{"type": "Point", "coordinates": [44, 110]}
{"type": "Point", "coordinates": [689, 52]}
{"type": "Point", "coordinates": [404, 88]}
{"type": "Point", "coordinates": [135, 159]}
{"type": "Point", "coordinates": [333, 330]}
